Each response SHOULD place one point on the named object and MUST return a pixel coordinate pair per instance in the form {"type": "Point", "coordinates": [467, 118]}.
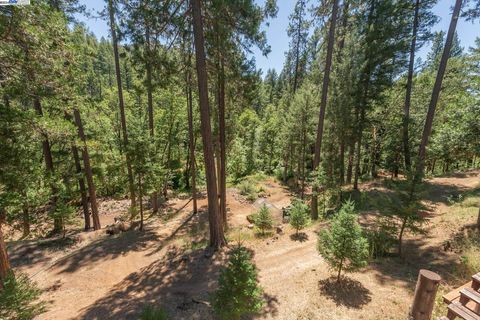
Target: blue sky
{"type": "Point", "coordinates": [277, 34]}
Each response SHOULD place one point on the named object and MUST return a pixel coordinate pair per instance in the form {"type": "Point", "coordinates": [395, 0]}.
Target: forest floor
{"type": "Point", "coordinates": [96, 276]}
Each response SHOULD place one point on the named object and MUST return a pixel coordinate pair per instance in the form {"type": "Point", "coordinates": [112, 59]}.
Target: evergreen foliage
{"type": "Point", "coordinates": [343, 246]}
{"type": "Point", "coordinates": [263, 219]}
{"type": "Point", "coordinates": [19, 298]}
{"type": "Point", "coordinates": [299, 215]}
{"type": "Point", "coordinates": [238, 293]}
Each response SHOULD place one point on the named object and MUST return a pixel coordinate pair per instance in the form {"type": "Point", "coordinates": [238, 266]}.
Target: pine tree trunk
{"type": "Point", "coordinates": [408, 95]}
{"type": "Point", "coordinates": [47, 155]}
{"type": "Point", "coordinates": [342, 160]}
{"type": "Point", "coordinates": [222, 137]}
{"type": "Point", "coordinates": [436, 91]}
{"type": "Point", "coordinates": [217, 237]}
{"type": "Point", "coordinates": [25, 222]}
{"type": "Point", "coordinates": [191, 140]}
{"type": "Point", "coordinates": [88, 171]}
{"type": "Point", "coordinates": [478, 220]}
{"type": "Point", "coordinates": [4, 262]}
{"type": "Point", "coordinates": [140, 200]}
{"type": "Point", "coordinates": [351, 153]}
{"type": "Point", "coordinates": [365, 80]}
{"type": "Point", "coordinates": [148, 67]}
{"type": "Point", "coordinates": [323, 104]}
{"type": "Point", "coordinates": [81, 185]}
{"type": "Point", "coordinates": [358, 155]}
{"type": "Point", "coordinates": [373, 159]}
{"type": "Point", "coordinates": [121, 102]}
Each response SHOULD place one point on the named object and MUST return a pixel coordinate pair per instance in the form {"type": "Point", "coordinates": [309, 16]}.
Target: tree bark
{"type": "Point", "coordinates": [88, 171]}
{"type": "Point", "coordinates": [25, 222]}
{"type": "Point", "coordinates": [191, 139]}
{"type": "Point", "coordinates": [323, 104]}
{"type": "Point", "coordinates": [425, 293]}
{"type": "Point", "coordinates": [121, 102]}
{"type": "Point", "coordinates": [408, 95]}
{"type": "Point", "coordinates": [140, 200]}
{"type": "Point", "coordinates": [478, 220]}
{"type": "Point", "coordinates": [436, 91]}
{"type": "Point", "coordinates": [351, 154]}
{"type": "Point", "coordinates": [358, 156]}
{"type": "Point", "coordinates": [47, 155]}
{"type": "Point", "coordinates": [342, 159]}
{"type": "Point", "coordinates": [222, 139]}
{"type": "Point", "coordinates": [217, 238]}
{"type": "Point", "coordinates": [148, 67]}
{"type": "Point", "coordinates": [81, 185]}
{"type": "Point", "coordinates": [4, 262]}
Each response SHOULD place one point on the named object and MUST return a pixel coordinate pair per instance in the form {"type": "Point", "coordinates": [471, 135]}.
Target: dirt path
{"type": "Point", "coordinates": [114, 277]}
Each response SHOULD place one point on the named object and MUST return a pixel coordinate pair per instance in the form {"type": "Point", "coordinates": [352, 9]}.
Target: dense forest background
{"type": "Point", "coordinates": [167, 144]}
{"type": "Point", "coordinates": [83, 117]}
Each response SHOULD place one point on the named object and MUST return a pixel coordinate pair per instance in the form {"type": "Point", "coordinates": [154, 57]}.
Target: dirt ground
{"type": "Point", "coordinates": [95, 276]}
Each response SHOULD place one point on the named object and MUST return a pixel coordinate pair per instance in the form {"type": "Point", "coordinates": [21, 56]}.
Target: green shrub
{"type": "Point", "coordinates": [248, 189]}
{"type": "Point", "coordinates": [469, 244]}
{"type": "Point", "coordinates": [381, 239]}
{"type": "Point", "coordinates": [19, 298]}
{"type": "Point", "coordinates": [263, 219]}
{"type": "Point", "coordinates": [299, 215]}
{"type": "Point", "coordinates": [153, 313]}
{"type": "Point", "coordinates": [238, 293]}
{"type": "Point", "coordinates": [343, 246]}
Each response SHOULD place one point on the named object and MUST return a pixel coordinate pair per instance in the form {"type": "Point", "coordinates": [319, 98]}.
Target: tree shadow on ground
{"type": "Point", "coordinates": [418, 254]}
{"type": "Point", "coordinates": [348, 292]}
{"type": "Point", "coordinates": [23, 253]}
{"type": "Point", "coordinates": [301, 237]}
{"type": "Point", "coordinates": [181, 283]}
{"type": "Point", "coordinates": [109, 247]}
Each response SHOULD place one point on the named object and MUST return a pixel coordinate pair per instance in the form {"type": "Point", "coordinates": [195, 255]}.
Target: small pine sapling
{"type": "Point", "coordinates": [238, 293]}
{"type": "Point", "coordinates": [343, 246]}
{"type": "Point", "coordinates": [299, 215]}
{"type": "Point", "coordinates": [263, 220]}
{"type": "Point", "coordinates": [19, 298]}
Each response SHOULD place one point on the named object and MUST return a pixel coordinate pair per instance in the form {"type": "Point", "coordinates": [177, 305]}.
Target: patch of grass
{"type": "Point", "coordinates": [248, 189]}
{"type": "Point", "coordinates": [469, 262]}
{"type": "Point", "coordinates": [153, 313]}
{"type": "Point", "coordinates": [197, 245]}
{"type": "Point", "coordinates": [440, 308]}
{"type": "Point", "coordinates": [239, 235]}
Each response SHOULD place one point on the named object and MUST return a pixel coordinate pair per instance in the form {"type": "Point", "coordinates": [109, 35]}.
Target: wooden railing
{"type": "Point", "coordinates": [463, 302]}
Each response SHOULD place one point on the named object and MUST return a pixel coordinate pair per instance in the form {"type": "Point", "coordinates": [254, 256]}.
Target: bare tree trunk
{"type": "Point", "coordinates": [342, 160]}
{"type": "Point", "coordinates": [408, 95]}
{"type": "Point", "coordinates": [88, 171]}
{"type": "Point", "coordinates": [222, 137]}
{"type": "Point", "coordinates": [478, 220]}
{"type": "Point", "coordinates": [25, 222]}
{"type": "Point", "coordinates": [81, 185]}
{"type": "Point", "coordinates": [351, 154]}
{"type": "Point", "coordinates": [323, 103]}
{"type": "Point", "coordinates": [191, 140]}
{"type": "Point", "coordinates": [374, 153]}
{"type": "Point", "coordinates": [217, 237]}
{"type": "Point", "coordinates": [4, 262]}
{"type": "Point", "coordinates": [358, 156]}
{"type": "Point", "coordinates": [148, 66]}
{"type": "Point", "coordinates": [140, 200]}
{"type": "Point", "coordinates": [47, 155]}
{"type": "Point", "coordinates": [121, 102]}
{"type": "Point", "coordinates": [436, 90]}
